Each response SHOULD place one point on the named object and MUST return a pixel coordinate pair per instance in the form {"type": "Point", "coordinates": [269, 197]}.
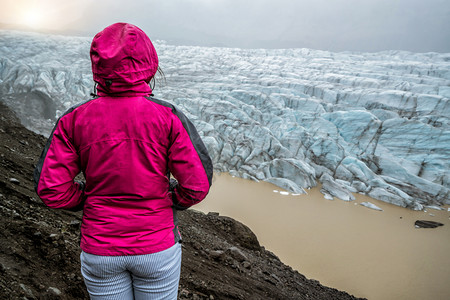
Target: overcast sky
{"type": "Point", "coordinates": [337, 25]}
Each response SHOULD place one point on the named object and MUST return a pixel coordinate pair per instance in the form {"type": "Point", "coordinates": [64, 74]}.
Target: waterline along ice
{"type": "Point", "coordinates": [374, 123]}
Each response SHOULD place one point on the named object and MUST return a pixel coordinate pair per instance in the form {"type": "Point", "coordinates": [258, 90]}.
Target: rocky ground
{"type": "Point", "coordinates": [39, 252]}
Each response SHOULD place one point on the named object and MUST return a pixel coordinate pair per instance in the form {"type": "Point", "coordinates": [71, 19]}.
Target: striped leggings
{"type": "Point", "coordinates": [150, 276]}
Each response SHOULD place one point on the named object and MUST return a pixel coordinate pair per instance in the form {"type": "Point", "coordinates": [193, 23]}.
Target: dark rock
{"type": "Point", "coordinates": [427, 224]}
{"type": "Point", "coordinates": [216, 254]}
{"type": "Point", "coordinates": [247, 265]}
{"type": "Point", "coordinates": [54, 291]}
{"type": "Point", "coordinates": [275, 277]}
{"type": "Point", "coordinates": [75, 224]}
{"type": "Point", "coordinates": [237, 254]}
{"type": "Point", "coordinates": [28, 292]}
{"type": "Point", "coordinates": [14, 180]}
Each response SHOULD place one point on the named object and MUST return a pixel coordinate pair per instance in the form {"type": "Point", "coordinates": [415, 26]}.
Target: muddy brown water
{"type": "Point", "coordinates": [374, 254]}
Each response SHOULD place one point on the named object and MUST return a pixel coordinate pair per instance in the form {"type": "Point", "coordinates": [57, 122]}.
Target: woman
{"type": "Point", "coordinates": [125, 143]}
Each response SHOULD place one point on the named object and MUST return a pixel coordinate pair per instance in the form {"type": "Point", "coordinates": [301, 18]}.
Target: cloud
{"type": "Point", "coordinates": [369, 25]}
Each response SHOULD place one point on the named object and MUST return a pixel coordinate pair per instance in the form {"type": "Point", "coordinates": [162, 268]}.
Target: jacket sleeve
{"type": "Point", "coordinates": [56, 169]}
{"type": "Point", "coordinates": [189, 162]}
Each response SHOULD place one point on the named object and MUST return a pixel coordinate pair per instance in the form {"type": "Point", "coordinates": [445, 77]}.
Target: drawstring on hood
{"type": "Point", "coordinates": [123, 61]}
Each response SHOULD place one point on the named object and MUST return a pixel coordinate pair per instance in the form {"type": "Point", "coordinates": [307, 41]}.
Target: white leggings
{"type": "Point", "coordinates": [150, 276]}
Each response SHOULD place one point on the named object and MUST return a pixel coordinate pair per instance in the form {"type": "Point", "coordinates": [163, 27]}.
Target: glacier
{"type": "Point", "coordinates": [370, 123]}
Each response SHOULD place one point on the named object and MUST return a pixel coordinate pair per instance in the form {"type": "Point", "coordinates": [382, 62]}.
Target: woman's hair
{"type": "Point", "coordinates": [159, 77]}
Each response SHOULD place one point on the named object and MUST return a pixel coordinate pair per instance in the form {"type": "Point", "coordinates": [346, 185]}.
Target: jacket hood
{"type": "Point", "coordinates": [123, 61]}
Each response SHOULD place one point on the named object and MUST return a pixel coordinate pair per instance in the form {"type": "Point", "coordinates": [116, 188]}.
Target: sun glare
{"type": "Point", "coordinates": [32, 18]}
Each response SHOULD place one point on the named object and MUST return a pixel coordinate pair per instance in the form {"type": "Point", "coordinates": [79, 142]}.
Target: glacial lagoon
{"type": "Point", "coordinates": [368, 253]}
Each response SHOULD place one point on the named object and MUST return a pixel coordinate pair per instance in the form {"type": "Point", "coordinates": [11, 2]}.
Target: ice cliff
{"type": "Point", "coordinates": [374, 123]}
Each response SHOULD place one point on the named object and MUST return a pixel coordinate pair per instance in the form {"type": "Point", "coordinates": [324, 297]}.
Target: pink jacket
{"type": "Point", "coordinates": [125, 143]}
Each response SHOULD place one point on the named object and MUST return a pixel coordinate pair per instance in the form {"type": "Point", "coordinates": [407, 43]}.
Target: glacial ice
{"type": "Point", "coordinates": [373, 123]}
{"type": "Point", "coordinates": [371, 205]}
